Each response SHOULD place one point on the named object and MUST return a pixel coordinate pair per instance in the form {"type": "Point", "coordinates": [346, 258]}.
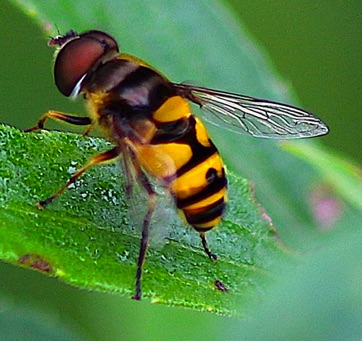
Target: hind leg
{"type": "Point", "coordinates": [206, 246]}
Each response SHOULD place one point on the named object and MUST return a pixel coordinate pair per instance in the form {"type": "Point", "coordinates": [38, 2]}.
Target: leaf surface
{"type": "Point", "coordinates": [87, 239]}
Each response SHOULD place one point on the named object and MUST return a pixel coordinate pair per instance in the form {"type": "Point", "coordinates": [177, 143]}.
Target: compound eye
{"type": "Point", "coordinates": [77, 57]}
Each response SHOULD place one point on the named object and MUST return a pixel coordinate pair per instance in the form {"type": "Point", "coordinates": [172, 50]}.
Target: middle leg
{"type": "Point", "coordinates": [96, 159]}
{"type": "Point", "coordinates": [145, 230]}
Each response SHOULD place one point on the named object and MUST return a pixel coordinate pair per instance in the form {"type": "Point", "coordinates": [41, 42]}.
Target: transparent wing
{"type": "Point", "coordinates": [257, 117]}
{"type": "Point", "coordinates": [135, 164]}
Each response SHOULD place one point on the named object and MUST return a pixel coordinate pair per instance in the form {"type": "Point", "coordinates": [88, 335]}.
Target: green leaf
{"type": "Point", "coordinates": [87, 239]}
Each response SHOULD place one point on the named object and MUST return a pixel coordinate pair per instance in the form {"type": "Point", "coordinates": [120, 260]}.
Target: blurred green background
{"type": "Point", "coordinates": [316, 47]}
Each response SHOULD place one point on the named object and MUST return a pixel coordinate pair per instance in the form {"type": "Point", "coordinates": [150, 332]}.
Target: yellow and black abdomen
{"type": "Point", "coordinates": [187, 161]}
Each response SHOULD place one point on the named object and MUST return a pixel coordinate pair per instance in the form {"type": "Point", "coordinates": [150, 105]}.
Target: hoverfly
{"type": "Point", "coordinates": [155, 135]}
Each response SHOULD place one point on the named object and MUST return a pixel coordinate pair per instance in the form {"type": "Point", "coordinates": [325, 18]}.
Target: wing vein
{"type": "Point", "coordinates": [258, 117]}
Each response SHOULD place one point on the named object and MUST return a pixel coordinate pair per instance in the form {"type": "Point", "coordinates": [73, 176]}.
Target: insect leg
{"type": "Point", "coordinates": [206, 247]}
{"type": "Point", "coordinates": [129, 169]}
{"type": "Point", "coordinates": [95, 160]}
{"type": "Point", "coordinates": [142, 178]}
{"type": "Point", "coordinates": [56, 115]}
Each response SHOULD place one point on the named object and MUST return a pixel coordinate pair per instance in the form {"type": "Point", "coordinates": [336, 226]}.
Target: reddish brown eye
{"type": "Point", "coordinates": [78, 56]}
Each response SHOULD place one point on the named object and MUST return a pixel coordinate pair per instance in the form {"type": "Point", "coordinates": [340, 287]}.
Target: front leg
{"type": "Point", "coordinates": [56, 115]}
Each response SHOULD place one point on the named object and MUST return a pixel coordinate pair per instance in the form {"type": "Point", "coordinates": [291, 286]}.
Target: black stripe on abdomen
{"type": "Point", "coordinates": [199, 217]}
{"type": "Point", "coordinates": [212, 188]}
